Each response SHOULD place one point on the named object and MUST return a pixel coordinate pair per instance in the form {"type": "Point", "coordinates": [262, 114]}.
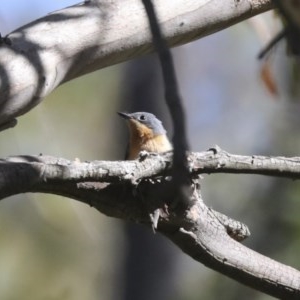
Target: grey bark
{"type": "Point", "coordinates": [52, 50]}
{"type": "Point", "coordinates": [117, 189]}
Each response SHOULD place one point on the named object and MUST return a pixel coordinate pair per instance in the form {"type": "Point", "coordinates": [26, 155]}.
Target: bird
{"type": "Point", "coordinates": [146, 133]}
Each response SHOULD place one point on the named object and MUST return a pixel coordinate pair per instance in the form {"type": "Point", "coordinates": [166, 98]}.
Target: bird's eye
{"type": "Point", "coordinates": [142, 118]}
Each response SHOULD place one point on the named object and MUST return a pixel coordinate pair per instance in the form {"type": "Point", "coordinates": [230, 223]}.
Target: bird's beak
{"type": "Point", "coordinates": [124, 115]}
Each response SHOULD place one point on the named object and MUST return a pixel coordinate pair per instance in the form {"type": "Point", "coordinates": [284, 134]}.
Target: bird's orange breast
{"type": "Point", "coordinates": [143, 139]}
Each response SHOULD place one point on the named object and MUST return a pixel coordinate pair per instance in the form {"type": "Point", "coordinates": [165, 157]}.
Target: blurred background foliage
{"type": "Point", "coordinates": [56, 248]}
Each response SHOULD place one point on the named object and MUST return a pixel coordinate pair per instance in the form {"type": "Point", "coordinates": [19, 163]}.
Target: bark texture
{"type": "Point", "coordinates": [66, 44]}
{"type": "Point", "coordinates": [134, 190]}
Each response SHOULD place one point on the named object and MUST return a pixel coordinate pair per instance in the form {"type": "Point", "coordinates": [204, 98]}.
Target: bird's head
{"type": "Point", "coordinates": [143, 124]}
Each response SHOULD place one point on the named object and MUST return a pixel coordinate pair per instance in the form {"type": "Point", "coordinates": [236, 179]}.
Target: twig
{"type": "Point", "coordinates": [173, 99]}
{"type": "Point", "coordinates": [291, 30]}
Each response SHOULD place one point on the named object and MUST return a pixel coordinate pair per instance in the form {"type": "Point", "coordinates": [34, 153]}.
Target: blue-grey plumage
{"type": "Point", "coordinates": [146, 132]}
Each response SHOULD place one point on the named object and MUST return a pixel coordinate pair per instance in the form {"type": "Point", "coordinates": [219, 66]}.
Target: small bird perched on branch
{"type": "Point", "coordinates": [146, 133]}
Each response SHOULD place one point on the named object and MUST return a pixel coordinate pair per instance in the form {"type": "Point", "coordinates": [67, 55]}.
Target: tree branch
{"type": "Point", "coordinates": [180, 174]}
{"type": "Point", "coordinates": [50, 51]}
{"type": "Point", "coordinates": [215, 160]}
{"type": "Point", "coordinates": [116, 189]}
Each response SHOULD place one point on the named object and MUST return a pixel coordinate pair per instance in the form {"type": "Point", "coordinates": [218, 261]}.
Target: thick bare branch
{"type": "Point", "coordinates": [115, 189]}
{"type": "Point", "coordinates": [95, 34]}
{"type": "Point", "coordinates": [28, 170]}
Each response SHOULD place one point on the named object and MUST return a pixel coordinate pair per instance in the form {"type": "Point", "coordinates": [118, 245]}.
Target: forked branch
{"type": "Point", "coordinates": [119, 189]}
